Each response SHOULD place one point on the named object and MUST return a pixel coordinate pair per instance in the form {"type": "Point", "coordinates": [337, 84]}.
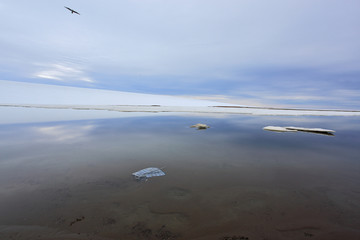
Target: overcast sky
{"type": "Point", "coordinates": [256, 52]}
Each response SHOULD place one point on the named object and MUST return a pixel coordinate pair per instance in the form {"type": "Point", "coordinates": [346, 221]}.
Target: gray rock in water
{"type": "Point", "coordinates": [200, 126]}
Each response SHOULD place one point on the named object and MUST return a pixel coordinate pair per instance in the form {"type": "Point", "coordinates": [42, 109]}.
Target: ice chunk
{"type": "Point", "coordinates": [278, 129]}
{"type": "Point", "coordinates": [148, 173]}
{"type": "Point", "coordinates": [300, 129]}
{"type": "Point", "coordinates": [313, 130]}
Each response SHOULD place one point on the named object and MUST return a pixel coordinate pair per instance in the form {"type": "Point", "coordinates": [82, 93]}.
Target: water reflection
{"type": "Point", "coordinates": [72, 180]}
{"type": "Point", "coordinates": [62, 133]}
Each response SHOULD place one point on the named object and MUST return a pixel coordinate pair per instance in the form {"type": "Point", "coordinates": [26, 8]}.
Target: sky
{"type": "Point", "coordinates": [302, 53]}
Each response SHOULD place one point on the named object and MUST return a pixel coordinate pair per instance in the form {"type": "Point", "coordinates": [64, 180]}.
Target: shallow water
{"type": "Point", "coordinates": [72, 179]}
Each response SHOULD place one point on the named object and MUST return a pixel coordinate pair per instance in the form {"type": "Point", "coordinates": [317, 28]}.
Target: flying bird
{"type": "Point", "coordinates": [71, 10]}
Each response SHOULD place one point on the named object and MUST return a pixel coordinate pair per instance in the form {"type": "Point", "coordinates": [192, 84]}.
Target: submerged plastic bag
{"type": "Point", "coordinates": [148, 173]}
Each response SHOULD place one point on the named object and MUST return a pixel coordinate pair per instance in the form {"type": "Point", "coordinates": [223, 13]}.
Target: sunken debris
{"type": "Point", "coordinates": [141, 231]}
{"type": "Point", "coordinates": [77, 220]}
{"type": "Point", "coordinates": [234, 238]}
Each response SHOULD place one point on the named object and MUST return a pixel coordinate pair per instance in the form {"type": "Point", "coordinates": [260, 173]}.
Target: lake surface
{"type": "Point", "coordinates": [72, 179]}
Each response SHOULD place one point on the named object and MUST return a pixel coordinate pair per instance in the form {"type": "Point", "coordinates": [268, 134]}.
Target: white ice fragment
{"type": "Point", "coordinates": [299, 129]}
{"type": "Point", "coordinates": [313, 130]}
{"type": "Point", "coordinates": [278, 129]}
{"type": "Point", "coordinates": [148, 173]}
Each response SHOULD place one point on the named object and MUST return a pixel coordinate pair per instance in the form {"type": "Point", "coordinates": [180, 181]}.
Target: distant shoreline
{"type": "Point", "coordinates": [197, 109]}
{"type": "Point", "coordinates": [293, 109]}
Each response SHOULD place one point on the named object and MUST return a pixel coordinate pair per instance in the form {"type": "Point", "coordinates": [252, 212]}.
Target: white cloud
{"type": "Point", "coordinates": [194, 37]}
{"type": "Point", "coordinates": [61, 72]}
{"type": "Point", "coordinates": [242, 101]}
{"type": "Point", "coordinates": [170, 43]}
{"type": "Point", "coordinates": [30, 93]}
{"type": "Point", "coordinates": [305, 98]}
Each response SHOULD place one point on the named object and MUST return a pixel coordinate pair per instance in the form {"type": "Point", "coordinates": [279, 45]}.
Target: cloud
{"type": "Point", "coordinates": [294, 98]}
{"type": "Point", "coordinates": [186, 47]}
{"type": "Point", "coordinates": [192, 38]}
{"type": "Point", "coordinates": [61, 72]}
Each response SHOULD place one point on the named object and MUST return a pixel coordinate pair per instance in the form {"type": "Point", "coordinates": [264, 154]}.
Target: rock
{"type": "Point", "coordinates": [200, 126]}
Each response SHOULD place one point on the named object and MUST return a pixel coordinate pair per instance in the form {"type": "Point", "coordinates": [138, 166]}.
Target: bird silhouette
{"type": "Point", "coordinates": [71, 10]}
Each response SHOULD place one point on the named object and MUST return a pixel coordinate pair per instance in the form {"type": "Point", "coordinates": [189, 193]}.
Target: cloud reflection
{"type": "Point", "coordinates": [64, 133]}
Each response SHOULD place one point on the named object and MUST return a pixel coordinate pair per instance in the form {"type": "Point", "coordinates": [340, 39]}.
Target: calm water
{"type": "Point", "coordinates": [72, 179]}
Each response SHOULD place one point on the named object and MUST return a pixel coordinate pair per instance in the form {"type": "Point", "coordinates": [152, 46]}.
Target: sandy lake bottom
{"type": "Point", "coordinates": [72, 179]}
